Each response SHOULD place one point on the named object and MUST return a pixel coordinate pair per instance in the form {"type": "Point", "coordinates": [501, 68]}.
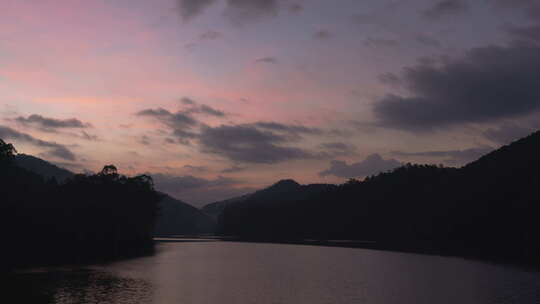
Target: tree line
{"type": "Point", "coordinates": [89, 217]}
{"type": "Point", "coordinates": [489, 208]}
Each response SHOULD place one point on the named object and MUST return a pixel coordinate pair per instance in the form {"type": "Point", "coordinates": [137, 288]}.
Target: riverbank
{"type": "Point", "coordinates": [458, 250]}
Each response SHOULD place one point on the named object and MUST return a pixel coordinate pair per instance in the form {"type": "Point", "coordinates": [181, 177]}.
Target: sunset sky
{"type": "Point", "coordinates": [216, 98]}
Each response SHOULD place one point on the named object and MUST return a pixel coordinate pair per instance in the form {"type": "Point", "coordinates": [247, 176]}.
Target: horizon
{"type": "Point", "coordinates": [217, 99]}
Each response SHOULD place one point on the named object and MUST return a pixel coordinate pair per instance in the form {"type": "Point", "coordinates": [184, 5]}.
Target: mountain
{"type": "Point", "coordinates": [177, 217]}
{"type": "Point", "coordinates": [41, 167]}
{"type": "Point", "coordinates": [283, 190]}
{"type": "Point", "coordinates": [488, 208]}
{"type": "Point", "coordinates": [215, 209]}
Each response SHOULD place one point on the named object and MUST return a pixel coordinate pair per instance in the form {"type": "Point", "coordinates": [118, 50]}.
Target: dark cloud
{"type": "Point", "coordinates": [445, 8]}
{"type": "Point", "coordinates": [194, 107]}
{"type": "Point", "coordinates": [530, 8]}
{"type": "Point", "coordinates": [452, 157]}
{"type": "Point", "coordinates": [191, 8]}
{"type": "Point", "coordinates": [295, 129]}
{"type": "Point", "coordinates": [60, 151]}
{"type": "Point", "coordinates": [233, 169]}
{"type": "Point", "coordinates": [507, 133]}
{"type": "Point", "coordinates": [243, 11]}
{"type": "Point", "coordinates": [187, 101]}
{"type": "Point", "coordinates": [178, 120]}
{"type": "Point", "coordinates": [322, 34]}
{"type": "Point", "coordinates": [373, 164]}
{"type": "Point", "coordinates": [209, 110]}
{"type": "Point", "coordinates": [295, 8]}
{"type": "Point", "coordinates": [144, 140]}
{"type": "Point", "coordinates": [530, 33]}
{"type": "Point", "coordinates": [246, 143]}
{"type": "Point", "coordinates": [210, 35]}
{"type": "Point", "coordinates": [258, 142]}
{"type": "Point", "coordinates": [272, 60]}
{"type": "Point", "coordinates": [486, 84]}
{"type": "Point", "coordinates": [195, 168]}
{"type": "Point", "coordinates": [46, 123]}
{"type": "Point", "coordinates": [238, 11]}
{"type": "Point", "coordinates": [334, 149]}
{"type": "Point", "coordinates": [87, 136]}
{"type": "Point", "coordinates": [380, 42]}
{"type": "Point", "coordinates": [181, 123]}
{"type": "Point", "coordinates": [54, 149]}
{"type": "Point", "coordinates": [390, 79]}
{"type": "Point", "coordinates": [427, 40]}
{"type": "Point", "coordinates": [199, 191]}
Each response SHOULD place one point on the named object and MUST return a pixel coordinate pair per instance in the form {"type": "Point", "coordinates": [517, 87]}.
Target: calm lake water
{"type": "Point", "coordinates": [231, 273]}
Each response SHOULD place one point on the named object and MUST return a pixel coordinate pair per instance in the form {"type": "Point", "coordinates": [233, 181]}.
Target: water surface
{"type": "Point", "coordinates": [230, 273]}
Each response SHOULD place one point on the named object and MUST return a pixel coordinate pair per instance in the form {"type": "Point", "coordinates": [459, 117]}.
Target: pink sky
{"type": "Point", "coordinates": [102, 62]}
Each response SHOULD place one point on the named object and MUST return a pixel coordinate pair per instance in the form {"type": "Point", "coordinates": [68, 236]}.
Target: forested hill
{"type": "Point", "coordinates": [174, 217]}
{"type": "Point", "coordinates": [489, 207]}
{"type": "Point", "coordinates": [85, 218]}
{"type": "Point", "coordinates": [283, 191]}
{"type": "Point", "coordinates": [42, 167]}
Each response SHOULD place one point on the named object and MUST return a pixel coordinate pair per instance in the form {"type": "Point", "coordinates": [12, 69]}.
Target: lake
{"type": "Point", "coordinates": [230, 272]}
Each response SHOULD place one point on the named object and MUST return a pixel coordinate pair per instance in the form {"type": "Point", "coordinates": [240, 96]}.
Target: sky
{"type": "Point", "coordinates": [217, 98]}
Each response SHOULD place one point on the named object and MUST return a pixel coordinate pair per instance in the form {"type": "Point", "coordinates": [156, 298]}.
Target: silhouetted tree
{"type": "Point", "coordinates": [85, 218]}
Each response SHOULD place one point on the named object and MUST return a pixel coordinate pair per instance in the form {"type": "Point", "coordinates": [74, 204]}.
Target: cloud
{"type": "Point", "coordinates": [187, 101]}
{"type": "Point", "coordinates": [199, 191]}
{"type": "Point", "coordinates": [55, 149]}
{"type": "Point", "coordinates": [238, 11]}
{"type": "Point", "coordinates": [233, 169]}
{"type": "Point", "coordinates": [183, 123]}
{"type": "Point", "coordinates": [322, 34]}
{"type": "Point", "coordinates": [380, 42]}
{"type": "Point", "coordinates": [334, 149]}
{"type": "Point", "coordinates": [295, 8]}
{"type": "Point", "coordinates": [507, 133]}
{"type": "Point", "coordinates": [453, 157]}
{"type": "Point", "coordinates": [484, 85]}
{"type": "Point", "coordinates": [446, 8]}
{"type": "Point", "coordinates": [390, 79]}
{"type": "Point", "coordinates": [259, 142]}
{"type": "Point", "coordinates": [243, 11]}
{"type": "Point", "coordinates": [178, 120]}
{"type": "Point", "coordinates": [87, 136]}
{"type": "Point", "coordinates": [530, 33]}
{"type": "Point", "coordinates": [191, 8]}
{"type": "Point", "coordinates": [272, 60]}
{"type": "Point", "coordinates": [49, 124]}
{"type": "Point", "coordinates": [427, 40]}
{"type": "Point", "coordinates": [246, 143]}
{"type": "Point", "coordinates": [530, 8]}
{"type": "Point", "coordinates": [373, 164]}
{"type": "Point", "coordinates": [195, 168]}
{"type": "Point", "coordinates": [210, 35]}
{"type": "Point", "coordinates": [208, 110]}
{"type": "Point", "coordinates": [295, 129]}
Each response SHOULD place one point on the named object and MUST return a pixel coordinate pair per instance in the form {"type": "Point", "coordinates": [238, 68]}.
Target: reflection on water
{"type": "Point", "coordinates": [221, 272]}
{"type": "Point", "coordinates": [75, 286]}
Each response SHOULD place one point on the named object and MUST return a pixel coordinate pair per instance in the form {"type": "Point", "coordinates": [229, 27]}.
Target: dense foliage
{"type": "Point", "coordinates": [489, 208]}
{"type": "Point", "coordinates": [85, 218]}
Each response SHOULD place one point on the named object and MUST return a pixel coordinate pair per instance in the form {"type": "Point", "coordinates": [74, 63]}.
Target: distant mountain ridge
{"type": "Point", "coordinates": [283, 190]}
{"type": "Point", "coordinates": [42, 167]}
{"type": "Point", "coordinates": [176, 218]}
